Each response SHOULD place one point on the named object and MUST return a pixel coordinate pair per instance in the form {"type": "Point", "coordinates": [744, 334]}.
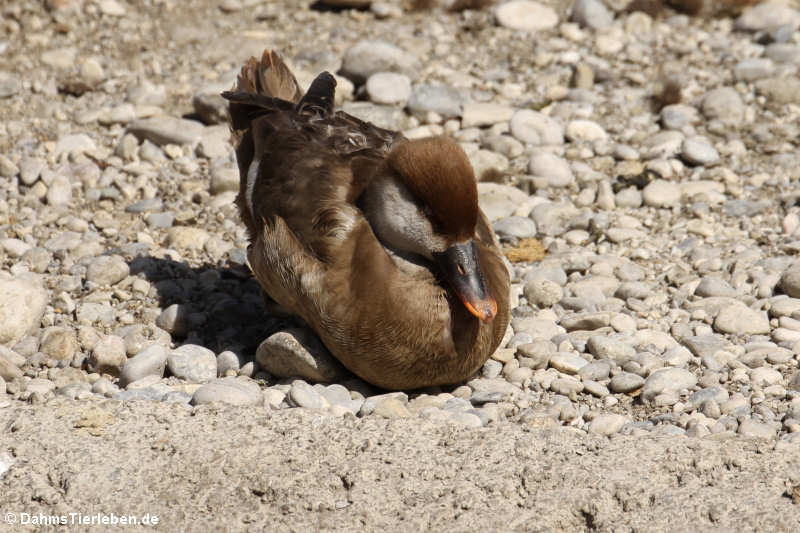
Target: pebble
{"type": "Point", "coordinates": [535, 128]}
{"type": "Point", "coordinates": [555, 169]}
{"type": "Point", "coordinates": [514, 227]}
{"type": "Point", "coordinates": [626, 382]}
{"type": "Point", "coordinates": [107, 270]}
{"type": "Point", "coordinates": [567, 363]}
{"type": "Point", "coordinates": [369, 57]}
{"type": "Point", "coordinates": [724, 104]}
{"type": "Point", "coordinates": [754, 429]}
{"type": "Point", "coordinates": [592, 14]}
{"type": "Point", "coordinates": [698, 151]}
{"type": "Point", "coordinates": [151, 361]}
{"type": "Point", "coordinates": [608, 348]}
{"type": "Point", "coordinates": [440, 99]}
{"type": "Point", "coordinates": [298, 353]}
{"type": "Point", "coordinates": [167, 130]}
{"type": "Point", "coordinates": [667, 381]}
{"type": "Point", "coordinates": [525, 15]}
{"type": "Point", "coordinates": [193, 363]}
{"type": "Point", "coordinates": [766, 16]}
{"type": "Point", "coordinates": [108, 355]}
{"type": "Point", "coordinates": [389, 88]}
{"type": "Point", "coordinates": [585, 131]}
{"type": "Point", "coordinates": [498, 201]}
{"type": "Point", "coordinates": [234, 391]}
{"type": "Point", "coordinates": [58, 343]}
{"type": "Point", "coordinates": [740, 320]}
{"type": "Point", "coordinates": [607, 424]}
{"type": "Point", "coordinates": [661, 193]}
{"type": "Point", "coordinates": [78, 143]}
{"type": "Point", "coordinates": [480, 114]}
{"type": "Point", "coordinates": [22, 305]}
{"type": "Point", "coordinates": [303, 395]}
{"type": "Point", "coordinates": [543, 292]}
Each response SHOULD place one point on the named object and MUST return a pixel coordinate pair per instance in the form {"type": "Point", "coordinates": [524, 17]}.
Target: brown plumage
{"type": "Point", "coordinates": [397, 316]}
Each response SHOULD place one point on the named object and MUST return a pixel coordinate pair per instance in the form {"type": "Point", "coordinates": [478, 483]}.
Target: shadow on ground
{"type": "Point", "coordinates": [221, 306]}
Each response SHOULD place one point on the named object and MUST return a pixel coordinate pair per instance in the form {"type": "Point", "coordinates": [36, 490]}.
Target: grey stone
{"type": "Point", "coordinates": [298, 352]}
{"type": "Point", "coordinates": [192, 363]}
{"type": "Point", "coordinates": [754, 429]}
{"type": "Point", "coordinates": [607, 348]}
{"type": "Point", "coordinates": [753, 68]}
{"type": "Point", "coordinates": [535, 128]}
{"type": "Point", "coordinates": [524, 15]}
{"type": "Point", "coordinates": [667, 380]}
{"type": "Point", "coordinates": [591, 13]}
{"type": "Point", "coordinates": [567, 363]}
{"type": "Point", "coordinates": [151, 361]}
{"type": "Point", "coordinates": [514, 227]}
{"type": "Point", "coordinates": [58, 343]}
{"type": "Point", "coordinates": [107, 270]}
{"type": "Point", "coordinates": [698, 151]}
{"type": "Point", "coordinates": [441, 99]}
{"type": "Point", "coordinates": [368, 57]}
{"type": "Point", "coordinates": [607, 424]}
{"type": "Point", "coordinates": [724, 104]}
{"type": "Point", "coordinates": [108, 355]}
{"type": "Point", "coordinates": [389, 88]}
{"type": "Point", "coordinates": [741, 320]}
{"type": "Point", "coordinates": [543, 293]}
{"type": "Point", "coordinates": [167, 130]}
{"type": "Point", "coordinates": [303, 395]}
{"type": "Point", "coordinates": [22, 305]}
{"type": "Point", "coordinates": [626, 382]}
{"type": "Point", "coordinates": [145, 206]}
{"type": "Point", "coordinates": [555, 169]}
{"type": "Point", "coordinates": [234, 391]}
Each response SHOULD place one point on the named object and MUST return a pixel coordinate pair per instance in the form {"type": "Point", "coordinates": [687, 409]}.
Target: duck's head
{"type": "Point", "coordinates": [425, 202]}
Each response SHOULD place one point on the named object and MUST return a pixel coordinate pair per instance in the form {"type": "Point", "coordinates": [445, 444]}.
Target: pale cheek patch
{"type": "Point", "coordinates": [252, 174]}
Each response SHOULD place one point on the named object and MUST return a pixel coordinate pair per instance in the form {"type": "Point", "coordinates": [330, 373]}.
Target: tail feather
{"type": "Point", "coordinates": [269, 77]}
{"type": "Point", "coordinates": [320, 95]}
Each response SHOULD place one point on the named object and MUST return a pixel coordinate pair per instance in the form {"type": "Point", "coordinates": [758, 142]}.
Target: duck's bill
{"type": "Point", "coordinates": [461, 270]}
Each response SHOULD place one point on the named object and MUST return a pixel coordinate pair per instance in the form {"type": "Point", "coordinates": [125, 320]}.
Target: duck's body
{"type": "Point", "coordinates": [308, 178]}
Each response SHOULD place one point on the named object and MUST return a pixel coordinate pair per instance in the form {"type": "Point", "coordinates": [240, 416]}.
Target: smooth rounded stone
{"type": "Point", "coordinates": [58, 343]}
{"type": "Point", "coordinates": [39, 386]}
{"type": "Point", "coordinates": [298, 352]}
{"type": "Point", "coordinates": [9, 84]}
{"type": "Point", "coordinates": [30, 168]}
{"type": "Point", "coordinates": [543, 293]}
{"type": "Point", "coordinates": [160, 220]}
{"type": "Point", "coordinates": [535, 128]}
{"type": "Point", "coordinates": [565, 386]}
{"type": "Point", "coordinates": [698, 151]}
{"type": "Point", "coordinates": [227, 361]}
{"type": "Point", "coordinates": [764, 377]}
{"type": "Point", "coordinates": [506, 145]}
{"type": "Point", "coordinates": [137, 337]}
{"type": "Point", "coordinates": [711, 286]}
{"type": "Point", "coordinates": [753, 68]}
{"type": "Point", "coordinates": [383, 116]}
{"type": "Point", "coordinates": [568, 363]}
{"type": "Point", "coordinates": [607, 424]}
{"type": "Point", "coordinates": [766, 16]}
{"type": "Point", "coordinates": [519, 375]}
{"type": "Point", "coordinates": [585, 131]}
{"type": "Point", "coordinates": [536, 354]}
{"type": "Point", "coordinates": [193, 363]}
{"type": "Point", "coordinates": [2, 388]}
{"type": "Point", "coordinates": [75, 391]}
{"type": "Point", "coordinates": [498, 201]}
{"type": "Point", "coordinates": [595, 389]}
{"type": "Point", "coordinates": [525, 15]}
{"type": "Point", "coordinates": [9, 371]}
{"type": "Point", "coordinates": [491, 368]}
{"type": "Point", "coordinates": [175, 320]}
{"type": "Point", "coordinates": [480, 114]}
{"type": "Point", "coordinates": [783, 53]}
{"type": "Point", "coordinates": [723, 104]}
{"type": "Point", "coordinates": [754, 429]}
{"type": "Point", "coordinates": [224, 179]}
{"type": "Point", "coordinates": [441, 99]}
{"type": "Point", "coordinates": [553, 219]}
{"type": "Point", "coordinates": [741, 320]}
{"type": "Point", "coordinates": [678, 116]}
{"type": "Point", "coordinates": [555, 169]}
{"type": "Point", "coordinates": [107, 270]}
{"type": "Point", "coordinates": [59, 192]}
{"type": "Point", "coordinates": [667, 381]}
{"type": "Point", "coordinates": [485, 160]}
{"type": "Point", "coordinates": [702, 345]}
{"type": "Point", "coordinates": [108, 355]}
{"type": "Point", "coordinates": [145, 206]}
{"type": "Point", "coordinates": [515, 227]}
{"type": "Point", "coordinates": [22, 305]}
{"type": "Point", "coordinates": [626, 382]}
{"type": "Point", "coordinates": [586, 321]}
{"type": "Point", "coordinates": [661, 193]}
{"type": "Point", "coordinates": [368, 57]}
{"type": "Point", "coordinates": [789, 283]}
{"type": "Point", "coordinates": [235, 391]}
{"type": "Point", "coordinates": [536, 328]}
{"type": "Point", "coordinates": [338, 395]}
{"type": "Point", "coordinates": [591, 14]}
{"type": "Point", "coordinates": [167, 130]}
{"type": "Point", "coordinates": [784, 306]}
{"type": "Point", "coordinates": [92, 313]}
{"type": "Point", "coordinates": [104, 387]}
{"type": "Point", "coordinates": [388, 88]}
{"type": "Point", "coordinates": [780, 91]}
{"type": "Point", "coordinates": [187, 237]}
{"type": "Point", "coordinates": [607, 348]}
{"type": "Point", "coordinates": [633, 289]}
{"type": "Point", "coordinates": [470, 420]}
{"type": "Point", "coordinates": [595, 371]}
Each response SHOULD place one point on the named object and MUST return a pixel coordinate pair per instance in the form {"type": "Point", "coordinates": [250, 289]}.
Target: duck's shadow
{"type": "Point", "coordinates": [220, 306]}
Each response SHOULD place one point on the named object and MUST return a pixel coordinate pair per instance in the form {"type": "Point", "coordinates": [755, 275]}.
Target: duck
{"type": "Point", "coordinates": [375, 241]}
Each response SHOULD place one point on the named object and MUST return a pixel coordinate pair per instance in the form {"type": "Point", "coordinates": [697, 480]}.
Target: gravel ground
{"type": "Point", "coordinates": [654, 157]}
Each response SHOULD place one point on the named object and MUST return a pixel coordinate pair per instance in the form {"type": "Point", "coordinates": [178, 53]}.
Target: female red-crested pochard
{"type": "Point", "coordinates": [377, 242]}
